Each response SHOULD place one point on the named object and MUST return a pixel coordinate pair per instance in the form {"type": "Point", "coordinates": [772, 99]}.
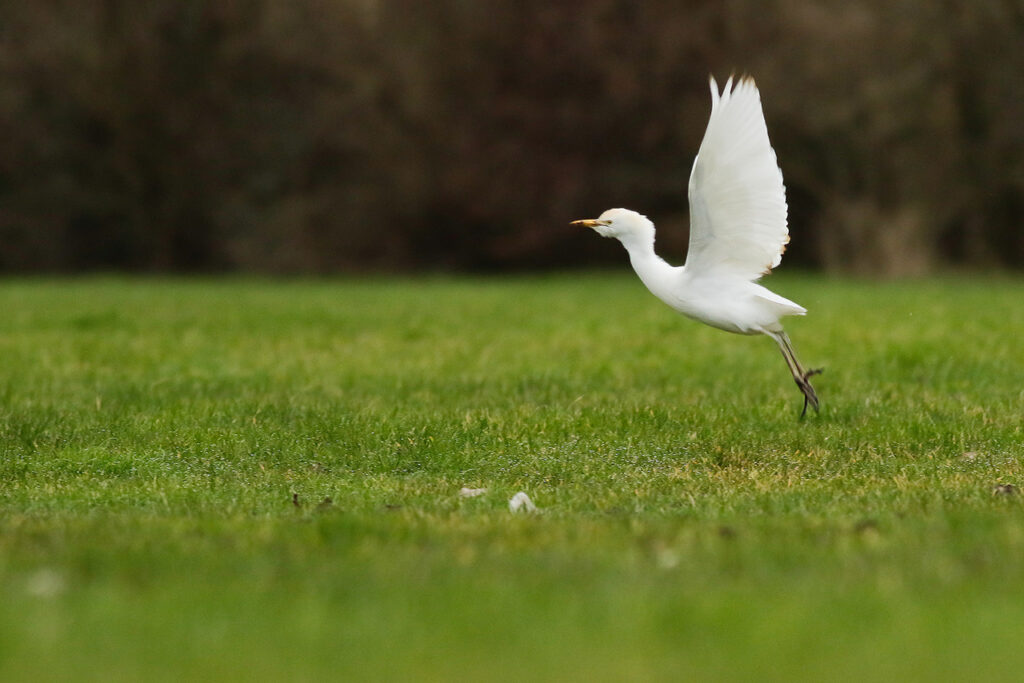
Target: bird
{"type": "Point", "coordinates": [738, 231]}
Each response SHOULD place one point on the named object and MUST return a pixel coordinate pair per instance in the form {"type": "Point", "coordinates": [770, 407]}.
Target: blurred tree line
{"type": "Point", "coordinates": [345, 135]}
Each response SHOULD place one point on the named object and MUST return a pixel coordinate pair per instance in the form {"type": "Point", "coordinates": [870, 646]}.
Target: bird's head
{"type": "Point", "coordinates": [622, 224]}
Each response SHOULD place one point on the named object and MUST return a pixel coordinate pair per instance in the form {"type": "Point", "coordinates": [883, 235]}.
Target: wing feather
{"type": "Point", "coordinates": [737, 197]}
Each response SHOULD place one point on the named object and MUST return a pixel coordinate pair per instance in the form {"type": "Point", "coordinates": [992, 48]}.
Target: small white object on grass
{"type": "Point", "coordinates": [466, 492]}
{"type": "Point", "coordinates": [45, 583]}
{"type": "Point", "coordinates": [738, 231]}
{"type": "Point", "coordinates": [521, 501]}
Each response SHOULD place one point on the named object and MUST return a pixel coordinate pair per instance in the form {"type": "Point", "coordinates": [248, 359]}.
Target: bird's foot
{"type": "Point", "coordinates": [804, 383]}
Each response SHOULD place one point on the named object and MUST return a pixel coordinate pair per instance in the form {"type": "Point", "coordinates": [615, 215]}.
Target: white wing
{"type": "Point", "coordinates": [737, 199]}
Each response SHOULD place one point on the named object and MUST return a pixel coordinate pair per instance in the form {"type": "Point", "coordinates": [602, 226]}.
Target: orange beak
{"type": "Point", "coordinates": [590, 222]}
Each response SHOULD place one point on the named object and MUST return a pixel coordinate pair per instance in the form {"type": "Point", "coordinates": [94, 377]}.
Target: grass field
{"type": "Point", "coordinates": [167, 449]}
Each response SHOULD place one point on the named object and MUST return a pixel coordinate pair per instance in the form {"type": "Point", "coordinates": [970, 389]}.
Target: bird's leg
{"type": "Point", "coordinates": [800, 376]}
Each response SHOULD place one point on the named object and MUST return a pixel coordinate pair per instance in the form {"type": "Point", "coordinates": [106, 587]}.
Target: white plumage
{"type": "Point", "coordinates": [738, 230]}
{"type": "Point", "coordinates": [737, 199]}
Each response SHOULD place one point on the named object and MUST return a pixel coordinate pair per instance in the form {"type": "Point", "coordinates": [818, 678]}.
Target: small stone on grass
{"type": "Point", "coordinates": [521, 501]}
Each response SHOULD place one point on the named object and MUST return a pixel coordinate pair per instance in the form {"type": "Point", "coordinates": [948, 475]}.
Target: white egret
{"type": "Point", "coordinates": [738, 231]}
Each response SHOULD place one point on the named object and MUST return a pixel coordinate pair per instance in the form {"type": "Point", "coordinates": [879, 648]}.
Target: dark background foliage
{"type": "Point", "coordinates": [318, 136]}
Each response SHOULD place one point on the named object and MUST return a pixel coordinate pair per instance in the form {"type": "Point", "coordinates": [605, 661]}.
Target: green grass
{"type": "Point", "coordinates": [153, 433]}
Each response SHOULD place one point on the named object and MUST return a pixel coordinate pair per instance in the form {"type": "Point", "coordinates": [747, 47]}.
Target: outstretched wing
{"type": "Point", "coordinates": [737, 199]}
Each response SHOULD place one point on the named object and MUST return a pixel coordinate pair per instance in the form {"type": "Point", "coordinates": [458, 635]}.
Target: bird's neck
{"type": "Point", "coordinates": [654, 272]}
{"type": "Point", "coordinates": [639, 244]}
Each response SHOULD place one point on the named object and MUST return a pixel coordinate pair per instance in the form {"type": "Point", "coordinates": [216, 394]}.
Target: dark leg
{"type": "Point", "coordinates": [800, 376]}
